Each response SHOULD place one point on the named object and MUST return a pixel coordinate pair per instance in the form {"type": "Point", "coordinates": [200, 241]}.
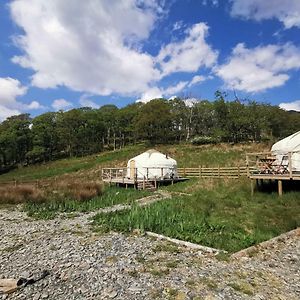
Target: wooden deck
{"type": "Point", "coordinates": [119, 177]}
{"type": "Point", "coordinates": [264, 166]}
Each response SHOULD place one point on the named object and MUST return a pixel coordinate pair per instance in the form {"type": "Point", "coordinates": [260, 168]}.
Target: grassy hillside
{"type": "Point", "coordinates": [216, 213]}
{"type": "Point", "coordinates": [185, 154]}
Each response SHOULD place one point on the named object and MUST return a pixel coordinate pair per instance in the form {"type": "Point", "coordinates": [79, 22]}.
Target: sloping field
{"type": "Point", "coordinates": [186, 156]}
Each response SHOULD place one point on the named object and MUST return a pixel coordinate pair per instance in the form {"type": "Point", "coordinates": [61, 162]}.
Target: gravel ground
{"type": "Point", "coordinates": [87, 265]}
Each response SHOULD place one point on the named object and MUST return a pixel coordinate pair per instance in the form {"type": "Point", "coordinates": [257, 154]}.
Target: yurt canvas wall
{"type": "Point", "coordinates": [282, 148]}
{"type": "Point", "coordinates": [152, 164]}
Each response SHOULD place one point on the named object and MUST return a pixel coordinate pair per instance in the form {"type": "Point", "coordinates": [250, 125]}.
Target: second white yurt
{"type": "Point", "coordinates": [152, 164]}
{"type": "Point", "coordinates": [282, 148]}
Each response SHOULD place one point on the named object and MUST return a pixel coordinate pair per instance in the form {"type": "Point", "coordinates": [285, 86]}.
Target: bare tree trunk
{"type": "Point", "coordinates": [114, 141]}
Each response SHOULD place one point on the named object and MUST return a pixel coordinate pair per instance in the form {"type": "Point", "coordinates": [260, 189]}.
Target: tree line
{"type": "Point", "coordinates": [82, 131]}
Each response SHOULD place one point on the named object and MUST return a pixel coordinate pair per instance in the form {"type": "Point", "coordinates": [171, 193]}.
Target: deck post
{"type": "Point", "coordinates": [144, 185]}
{"type": "Point", "coordinates": [280, 187]}
{"type": "Point", "coordinates": [252, 186]}
{"type": "Point", "coordinates": [162, 173]}
{"type": "Point", "coordinates": [155, 183]}
{"type": "Point", "coordinates": [147, 173]}
{"type": "Point", "coordinates": [290, 165]}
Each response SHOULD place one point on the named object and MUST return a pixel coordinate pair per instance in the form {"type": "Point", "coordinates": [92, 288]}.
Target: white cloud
{"type": "Point", "coordinates": [150, 94]}
{"type": "Point", "coordinates": [86, 102]}
{"type": "Point", "coordinates": [287, 11]}
{"type": "Point", "coordinates": [196, 79]}
{"type": "Point", "coordinates": [6, 112]}
{"type": "Point", "coordinates": [59, 104]}
{"type": "Point", "coordinates": [88, 45]}
{"type": "Point", "coordinates": [176, 88]}
{"type": "Point", "coordinates": [260, 68]}
{"type": "Point", "coordinates": [213, 2]}
{"type": "Point", "coordinates": [295, 105]}
{"type": "Point", "coordinates": [10, 89]}
{"type": "Point", "coordinates": [32, 106]}
{"type": "Point", "coordinates": [155, 92]}
{"type": "Point", "coordinates": [177, 25]}
{"type": "Point", "coordinates": [188, 55]}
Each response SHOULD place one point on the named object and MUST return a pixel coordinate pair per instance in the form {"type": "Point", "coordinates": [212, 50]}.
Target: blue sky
{"type": "Point", "coordinates": [62, 54]}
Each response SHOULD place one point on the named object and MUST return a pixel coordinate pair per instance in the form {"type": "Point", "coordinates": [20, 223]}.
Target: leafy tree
{"type": "Point", "coordinates": [154, 122]}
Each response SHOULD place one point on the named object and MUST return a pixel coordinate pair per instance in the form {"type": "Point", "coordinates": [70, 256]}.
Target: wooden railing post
{"type": "Point", "coordinates": [219, 175]}
{"type": "Point", "coordinates": [247, 165]}
{"type": "Point", "coordinates": [290, 165]}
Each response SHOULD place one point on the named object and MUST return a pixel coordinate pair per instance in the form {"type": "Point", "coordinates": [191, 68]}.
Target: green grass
{"type": "Point", "coordinates": [111, 196]}
{"type": "Point", "coordinates": [222, 216]}
{"type": "Point", "coordinates": [72, 165]}
{"type": "Point", "coordinates": [185, 154]}
{"type": "Point", "coordinates": [211, 155]}
{"type": "Point", "coordinates": [215, 213]}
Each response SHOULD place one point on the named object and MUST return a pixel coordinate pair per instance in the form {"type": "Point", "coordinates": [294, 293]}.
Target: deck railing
{"type": "Point", "coordinates": [266, 163]}
{"type": "Point", "coordinates": [134, 173]}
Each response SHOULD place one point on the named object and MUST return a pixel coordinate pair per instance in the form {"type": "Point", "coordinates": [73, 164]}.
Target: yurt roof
{"type": "Point", "coordinates": [153, 156]}
{"type": "Point", "coordinates": [288, 144]}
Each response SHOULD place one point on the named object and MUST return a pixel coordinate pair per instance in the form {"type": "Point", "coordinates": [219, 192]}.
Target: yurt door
{"type": "Point", "coordinates": [132, 169]}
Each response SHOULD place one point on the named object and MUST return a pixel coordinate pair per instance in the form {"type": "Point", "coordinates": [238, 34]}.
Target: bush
{"type": "Point", "coordinates": [73, 190]}
{"type": "Point", "coordinates": [78, 190]}
{"type": "Point", "coordinates": [204, 140]}
{"type": "Point", "coordinates": [21, 194]}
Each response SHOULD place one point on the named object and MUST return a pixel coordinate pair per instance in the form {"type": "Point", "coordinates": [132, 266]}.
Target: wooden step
{"type": "Point", "coordinates": [148, 186]}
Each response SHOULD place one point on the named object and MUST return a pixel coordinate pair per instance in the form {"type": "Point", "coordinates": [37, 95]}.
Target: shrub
{"type": "Point", "coordinates": [203, 140]}
{"type": "Point", "coordinates": [78, 190]}
{"type": "Point", "coordinates": [21, 194]}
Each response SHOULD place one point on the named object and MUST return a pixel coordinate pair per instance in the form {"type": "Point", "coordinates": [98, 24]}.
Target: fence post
{"type": "Point", "coordinates": [199, 171]}
{"type": "Point", "coordinates": [239, 171]}
{"type": "Point", "coordinates": [247, 165]}
{"type": "Point", "coordinates": [219, 175]}
{"type": "Point", "coordinates": [162, 172]}
{"type": "Point", "coordinates": [147, 173]}
{"type": "Point", "coordinates": [144, 186]}
{"type": "Point", "coordinates": [184, 172]}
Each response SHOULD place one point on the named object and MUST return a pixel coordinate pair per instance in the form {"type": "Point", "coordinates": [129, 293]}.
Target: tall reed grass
{"type": "Point", "coordinates": [224, 217]}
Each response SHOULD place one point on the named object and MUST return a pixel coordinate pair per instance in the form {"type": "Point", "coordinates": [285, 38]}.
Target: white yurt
{"type": "Point", "coordinates": [282, 148]}
{"type": "Point", "coordinates": [152, 164]}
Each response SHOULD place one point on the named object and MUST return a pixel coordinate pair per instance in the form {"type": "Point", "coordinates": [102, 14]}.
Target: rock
{"type": "Point", "coordinates": [44, 296]}
{"type": "Point", "coordinates": [79, 268]}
